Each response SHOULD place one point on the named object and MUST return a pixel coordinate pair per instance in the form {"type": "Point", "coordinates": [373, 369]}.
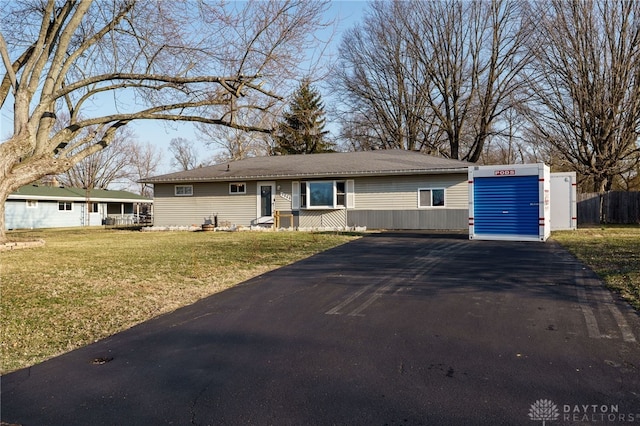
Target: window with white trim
{"type": "Point", "coordinates": [238, 188]}
{"type": "Point", "coordinates": [329, 194]}
{"type": "Point", "coordinates": [65, 206]}
{"type": "Point", "coordinates": [183, 190]}
{"type": "Point", "coordinates": [32, 204]}
{"type": "Point", "coordinates": [430, 197]}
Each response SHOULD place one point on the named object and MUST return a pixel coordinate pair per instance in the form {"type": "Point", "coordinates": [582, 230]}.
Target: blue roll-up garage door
{"type": "Point", "coordinates": [506, 205]}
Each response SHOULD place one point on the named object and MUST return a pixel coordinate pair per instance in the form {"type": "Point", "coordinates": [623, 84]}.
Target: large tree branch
{"type": "Point", "coordinates": [162, 115]}
{"type": "Point", "coordinates": [54, 32]}
{"type": "Point", "coordinates": [86, 44]}
{"type": "Point", "coordinates": [39, 45]}
{"type": "Point", "coordinates": [7, 81]}
{"type": "Point", "coordinates": [11, 72]}
{"type": "Point", "coordinates": [233, 84]}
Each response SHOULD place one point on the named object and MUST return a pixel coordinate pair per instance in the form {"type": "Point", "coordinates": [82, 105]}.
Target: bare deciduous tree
{"type": "Point", "coordinates": [382, 107]}
{"type": "Point", "coordinates": [145, 161]}
{"type": "Point", "coordinates": [233, 144]}
{"type": "Point", "coordinates": [99, 170]}
{"type": "Point", "coordinates": [110, 62]}
{"type": "Point", "coordinates": [472, 53]}
{"type": "Point", "coordinates": [185, 155]}
{"type": "Point", "coordinates": [585, 86]}
{"type": "Point", "coordinates": [435, 75]}
{"type": "Point", "coordinates": [510, 145]}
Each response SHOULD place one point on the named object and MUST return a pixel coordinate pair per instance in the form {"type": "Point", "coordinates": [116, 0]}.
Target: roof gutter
{"type": "Point", "coordinates": [311, 175]}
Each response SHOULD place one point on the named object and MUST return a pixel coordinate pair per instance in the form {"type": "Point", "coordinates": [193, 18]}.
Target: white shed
{"type": "Point", "coordinates": [564, 214]}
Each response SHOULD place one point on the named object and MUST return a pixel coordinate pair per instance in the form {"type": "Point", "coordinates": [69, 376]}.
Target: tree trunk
{"type": "Point", "coordinates": [3, 233]}
{"type": "Point", "coordinates": [6, 188]}
{"type": "Point", "coordinates": [16, 172]}
{"type": "Point", "coordinates": [11, 153]}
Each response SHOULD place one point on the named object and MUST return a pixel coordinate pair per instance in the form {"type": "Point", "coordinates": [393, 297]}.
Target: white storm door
{"type": "Point", "coordinates": [266, 201]}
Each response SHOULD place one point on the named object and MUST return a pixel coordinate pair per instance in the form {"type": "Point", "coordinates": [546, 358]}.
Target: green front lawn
{"type": "Point", "coordinates": [86, 284]}
{"type": "Point", "coordinates": [613, 252]}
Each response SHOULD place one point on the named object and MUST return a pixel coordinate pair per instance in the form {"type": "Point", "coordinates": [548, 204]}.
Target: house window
{"type": "Point", "coordinates": [93, 207]}
{"type": "Point", "coordinates": [340, 193]}
{"type": "Point", "coordinates": [238, 188]}
{"type": "Point", "coordinates": [32, 204]}
{"type": "Point", "coordinates": [303, 195]}
{"type": "Point", "coordinates": [184, 190]}
{"type": "Point", "coordinates": [433, 197]}
{"type": "Point", "coordinates": [65, 206]}
{"type": "Point", "coordinates": [322, 194]}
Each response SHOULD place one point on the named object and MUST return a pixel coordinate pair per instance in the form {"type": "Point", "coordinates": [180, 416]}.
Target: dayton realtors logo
{"type": "Point", "coordinates": [545, 410]}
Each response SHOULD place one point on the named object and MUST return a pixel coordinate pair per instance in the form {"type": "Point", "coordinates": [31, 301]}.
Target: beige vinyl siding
{"type": "Point", "coordinates": [282, 203]}
{"type": "Point", "coordinates": [208, 200]}
{"type": "Point", "coordinates": [457, 195]}
{"type": "Point", "coordinates": [371, 194]}
{"type": "Point", "coordinates": [401, 192]}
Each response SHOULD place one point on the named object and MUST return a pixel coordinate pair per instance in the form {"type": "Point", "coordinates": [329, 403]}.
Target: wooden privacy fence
{"type": "Point", "coordinates": [618, 207]}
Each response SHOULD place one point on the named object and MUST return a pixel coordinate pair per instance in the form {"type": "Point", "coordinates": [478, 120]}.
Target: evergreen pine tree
{"type": "Point", "coordinates": [302, 129]}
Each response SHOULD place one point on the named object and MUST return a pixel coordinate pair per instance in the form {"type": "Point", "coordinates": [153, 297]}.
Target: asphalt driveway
{"type": "Point", "coordinates": [391, 329]}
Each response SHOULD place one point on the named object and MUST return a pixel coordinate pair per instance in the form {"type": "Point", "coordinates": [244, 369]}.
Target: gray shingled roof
{"type": "Point", "coordinates": [344, 164]}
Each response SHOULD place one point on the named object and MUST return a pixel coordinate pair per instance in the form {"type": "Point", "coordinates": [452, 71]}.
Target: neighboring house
{"type": "Point", "coordinates": [384, 189]}
{"type": "Point", "coordinates": [42, 206]}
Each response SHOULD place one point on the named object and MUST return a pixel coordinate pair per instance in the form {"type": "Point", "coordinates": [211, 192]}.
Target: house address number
{"type": "Point", "coordinates": [504, 172]}
{"type": "Point", "coordinates": [285, 196]}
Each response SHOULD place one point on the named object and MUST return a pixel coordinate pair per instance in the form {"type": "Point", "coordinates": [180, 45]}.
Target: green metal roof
{"type": "Point", "coordinates": [42, 192]}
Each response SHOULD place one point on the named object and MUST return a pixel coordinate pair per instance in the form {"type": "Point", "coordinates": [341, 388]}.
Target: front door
{"type": "Point", "coordinates": [266, 201]}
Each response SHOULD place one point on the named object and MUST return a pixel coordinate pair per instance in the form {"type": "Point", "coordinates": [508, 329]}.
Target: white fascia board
{"type": "Point", "coordinates": [78, 199]}
{"type": "Point", "coordinates": [43, 198]}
